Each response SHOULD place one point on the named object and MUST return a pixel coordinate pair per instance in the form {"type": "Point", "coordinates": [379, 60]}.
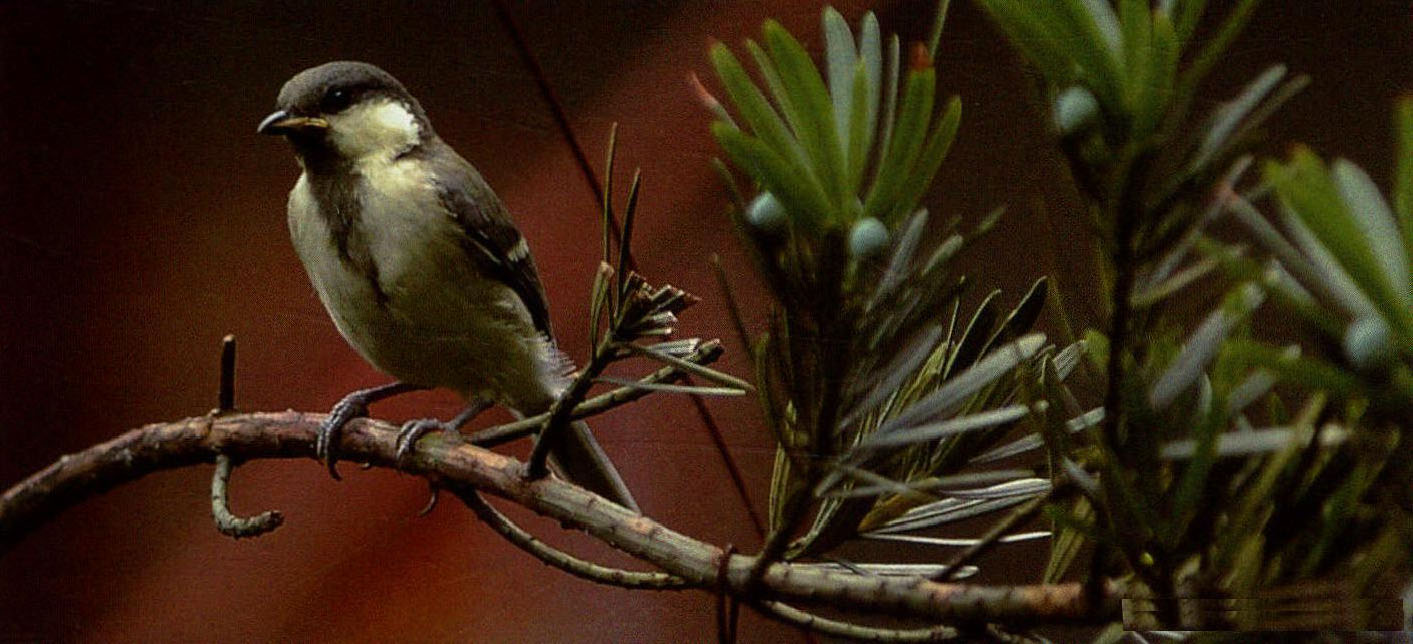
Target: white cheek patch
{"type": "Point", "coordinates": [382, 128]}
{"type": "Point", "coordinates": [393, 116]}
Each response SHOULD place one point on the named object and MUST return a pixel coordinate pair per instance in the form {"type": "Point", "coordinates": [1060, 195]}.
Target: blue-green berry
{"type": "Point", "coordinates": [766, 213]}
{"type": "Point", "coordinates": [1075, 108]}
{"type": "Point", "coordinates": [1366, 342]}
{"type": "Point", "coordinates": [868, 237]}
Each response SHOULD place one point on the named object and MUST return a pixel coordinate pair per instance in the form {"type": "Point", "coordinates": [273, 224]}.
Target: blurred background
{"type": "Point", "coordinates": [141, 219]}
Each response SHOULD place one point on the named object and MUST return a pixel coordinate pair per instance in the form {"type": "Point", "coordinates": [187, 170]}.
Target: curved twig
{"type": "Point", "coordinates": [836, 628]}
{"type": "Point", "coordinates": [562, 560]}
{"type": "Point", "coordinates": [228, 523]}
{"type": "Point", "coordinates": [291, 434]}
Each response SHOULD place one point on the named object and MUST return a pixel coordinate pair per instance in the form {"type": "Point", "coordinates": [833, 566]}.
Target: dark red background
{"type": "Point", "coordinates": [141, 219]}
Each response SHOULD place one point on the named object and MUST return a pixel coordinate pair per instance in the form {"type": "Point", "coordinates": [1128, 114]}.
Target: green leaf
{"type": "Point", "coordinates": [938, 22]}
{"type": "Point", "coordinates": [804, 199]}
{"type": "Point", "coordinates": [598, 297]}
{"type": "Point", "coordinates": [1403, 174]}
{"type": "Point", "coordinates": [1214, 47]}
{"type": "Point", "coordinates": [890, 105]}
{"type": "Point", "coordinates": [1374, 218]}
{"type": "Point", "coordinates": [871, 53]}
{"type": "Point", "coordinates": [939, 143]}
{"type": "Point", "coordinates": [1096, 346]}
{"type": "Point", "coordinates": [767, 70]}
{"type": "Point", "coordinates": [1100, 66]}
{"type": "Point", "coordinates": [1245, 443]}
{"type": "Point", "coordinates": [861, 128]}
{"type": "Point", "coordinates": [607, 220]}
{"type": "Point", "coordinates": [923, 570]}
{"type": "Point", "coordinates": [1156, 293]}
{"type": "Point", "coordinates": [1217, 132]}
{"type": "Point", "coordinates": [955, 390]}
{"type": "Point", "coordinates": [810, 98]}
{"type": "Point", "coordinates": [840, 60]}
{"type": "Point", "coordinates": [1023, 316]}
{"type": "Point", "coordinates": [1302, 271]}
{"type": "Point", "coordinates": [708, 100]}
{"type": "Point", "coordinates": [1069, 539]}
{"type": "Point", "coordinates": [1138, 52]}
{"type": "Point", "coordinates": [1304, 371]}
{"type": "Point", "coordinates": [952, 510]}
{"type": "Point", "coordinates": [625, 244]}
{"type": "Point", "coordinates": [1164, 62]}
{"type": "Point", "coordinates": [1187, 494]}
{"type": "Point", "coordinates": [950, 427]}
{"type": "Point", "coordinates": [781, 484]}
{"type": "Point", "coordinates": [1307, 190]}
{"type": "Point", "coordinates": [1032, 28]}
{"type": "Point", "coordinates": [900, 264]}
{"type": "Point", "coordinates": [687, 366]}
{"type": "Point", "coordinates": [836, 521]}
{"type": "Point", "coordinates": [975, 337]}
{"type": "Point", "coordinates": [956, 483]}
{"type": "Point", "coordinates": [905, 145]}
{"type": "Point", "coordinates": [1332, 280]}
{"type": "Point", "coordinates": [1202, 347]}
{"type": "Point", "coordinates": [1108, 24]}
{"type": "Point", "coordinates": [1340, 514]}
{"type": "Point", "coordinates": [763, 120]}
{"type": "Point", "coordinates": [728, 181]}
{"type": "Point", "coordinates": [1185, 22]}
{"type": "Point", "coordinates": [665, 387]}
{"type": "Point", "coordinates": [903, 366]}
{"type": "Point", "coordinates": [1249, 508]}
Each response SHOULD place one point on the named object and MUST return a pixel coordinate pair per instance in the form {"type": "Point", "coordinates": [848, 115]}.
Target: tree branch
{"type": "Point", "coordinates": [228, 523]}
{"type": "Point", "coordinates": [825, 626]}
{"type": "Point", "coordinates": [551, 556]}
{"type": "Point", "coordinates": [136, 453]}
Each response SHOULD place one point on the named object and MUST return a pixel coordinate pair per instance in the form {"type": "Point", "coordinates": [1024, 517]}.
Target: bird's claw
{"type": "Point", "coordinates": [352, 406]}
{"type": "Point", "coordinates": [433, 493]}
{"type": "Point", "coordinates": [414, 430]}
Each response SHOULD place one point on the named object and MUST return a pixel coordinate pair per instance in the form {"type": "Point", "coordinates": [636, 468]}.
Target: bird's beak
{"type": "Point", "coordinates": [282, 122]}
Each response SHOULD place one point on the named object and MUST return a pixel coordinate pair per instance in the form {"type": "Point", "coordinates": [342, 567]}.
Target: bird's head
{"type": "Point", "coordinates": [349, 111]}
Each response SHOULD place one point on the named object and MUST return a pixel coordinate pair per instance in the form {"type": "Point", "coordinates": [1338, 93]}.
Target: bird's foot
{"type": "Point", "coordinates": [414, 430]}
{"type": "Point", "coordinates": [354, 405]}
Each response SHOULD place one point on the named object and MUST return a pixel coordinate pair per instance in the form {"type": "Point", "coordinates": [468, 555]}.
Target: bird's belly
{"type": "Point", "coordinates": [452, 337]}
{"type": "Point", "coordinates": [427, 317]}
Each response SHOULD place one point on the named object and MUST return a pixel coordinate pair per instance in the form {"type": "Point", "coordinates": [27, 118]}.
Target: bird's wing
{"type": "Point", "coordinates": [491, 238]}
{"type": "Point", "coordinates": [499, 249]}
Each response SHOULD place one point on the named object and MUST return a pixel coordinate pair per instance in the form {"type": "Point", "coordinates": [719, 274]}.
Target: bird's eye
{"type": "Point", "coordinates": [335, 100]}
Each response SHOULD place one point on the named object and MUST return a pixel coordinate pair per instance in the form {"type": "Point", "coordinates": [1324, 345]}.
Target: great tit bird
{"type": "Point", "coordinates": [418, 262]}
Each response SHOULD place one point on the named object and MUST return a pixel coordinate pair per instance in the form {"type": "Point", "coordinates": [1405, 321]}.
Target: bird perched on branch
{"type": "Point", "coordinates": [418, 262]}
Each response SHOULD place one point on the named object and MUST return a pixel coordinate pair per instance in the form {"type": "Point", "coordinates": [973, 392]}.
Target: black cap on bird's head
{"type": "Point", "coordinates": [310, 103]}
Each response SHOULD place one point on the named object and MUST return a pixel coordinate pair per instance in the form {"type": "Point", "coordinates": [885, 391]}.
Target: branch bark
{"type": "Point", "coordinates": [291, 435]}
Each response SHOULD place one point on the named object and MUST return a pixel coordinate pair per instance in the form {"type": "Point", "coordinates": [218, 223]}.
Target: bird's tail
{"type": "Point", "coordinates": [579, 457]}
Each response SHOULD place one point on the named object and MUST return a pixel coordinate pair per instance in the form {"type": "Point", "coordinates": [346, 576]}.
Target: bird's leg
{"type": "Point", "coordinates": [413, 430]}
{"type": "Point", "coordinates": [354, 405]}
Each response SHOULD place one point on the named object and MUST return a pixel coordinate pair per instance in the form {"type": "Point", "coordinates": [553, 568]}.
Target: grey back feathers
{"type": "Point", "coordinates": [491, 238]}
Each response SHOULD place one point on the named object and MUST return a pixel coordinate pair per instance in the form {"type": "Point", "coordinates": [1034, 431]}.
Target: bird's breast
{"type": "Point", "coordinates": [390, 267]}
